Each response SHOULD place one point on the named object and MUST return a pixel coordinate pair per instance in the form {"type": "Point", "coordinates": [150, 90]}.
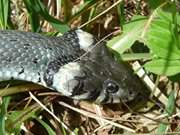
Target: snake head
{"type": "Point", "coordinates": [106, 80]}
{"type": "Point", "coordinates": [97, 76]}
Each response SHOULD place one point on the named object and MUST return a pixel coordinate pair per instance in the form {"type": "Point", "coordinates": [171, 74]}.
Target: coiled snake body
{"type": "Point", "coordinates": [53, 62]}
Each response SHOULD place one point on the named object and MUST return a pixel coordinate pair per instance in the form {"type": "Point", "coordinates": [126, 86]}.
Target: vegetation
{"type": "Point", "coordinates": [144, 33]}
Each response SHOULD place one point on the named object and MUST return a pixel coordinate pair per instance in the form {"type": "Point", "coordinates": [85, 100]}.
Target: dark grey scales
{"type": "Point", "coordinates": [56, 63]}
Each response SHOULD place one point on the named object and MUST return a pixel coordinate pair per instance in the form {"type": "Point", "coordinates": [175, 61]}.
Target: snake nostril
{"type": "Point", "coordinates": [130, 93]}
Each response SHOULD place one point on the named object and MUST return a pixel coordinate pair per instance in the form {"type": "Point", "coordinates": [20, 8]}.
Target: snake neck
{"type": "Point", "coordinates": [80, 39]}
{"type": "Point", "coordinates": [77, 42]}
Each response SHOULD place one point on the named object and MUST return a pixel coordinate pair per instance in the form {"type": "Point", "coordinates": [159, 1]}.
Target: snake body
{"type": "Point", "coordinates": [53, 62]}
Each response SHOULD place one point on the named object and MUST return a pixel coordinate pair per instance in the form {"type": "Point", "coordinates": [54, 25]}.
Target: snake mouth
{"type": "Point", "coordinates": [88, 96]}
{"type": "Point", "coordinates": [109, 99]}
{"type": "Point", "coordinates": [112, 92]}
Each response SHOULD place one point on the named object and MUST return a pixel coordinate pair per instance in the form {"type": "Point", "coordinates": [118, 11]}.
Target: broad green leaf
{"type": "Point", "coordinates": [161, 40]}
{"type": "Point", "coordinates": [165, 13]}
{"type": "Point", "coordinates": [175, 78]}
{"type": "Point", "coordinates": [163, 67]}
{"type": "Point", "coordinates": [161, 37]}
{"type": "Point", "coordinates": [155, 3]}
{"type": "Point", "coordinates": [131, 33]}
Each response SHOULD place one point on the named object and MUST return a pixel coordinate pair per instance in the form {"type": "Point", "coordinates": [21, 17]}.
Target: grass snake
{"type": "Point", "coordinates": [73, 64]}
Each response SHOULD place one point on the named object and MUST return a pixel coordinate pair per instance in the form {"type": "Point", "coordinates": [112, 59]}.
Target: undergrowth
{"type": "Point", "coordinates": [146, 34]}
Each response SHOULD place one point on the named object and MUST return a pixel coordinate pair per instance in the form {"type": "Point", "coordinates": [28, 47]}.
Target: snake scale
{"type": "Point", "coordinates": [74, 64]}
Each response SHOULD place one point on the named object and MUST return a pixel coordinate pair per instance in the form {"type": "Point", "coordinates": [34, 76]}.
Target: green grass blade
{"type": "Point", "coordinates": [4, 12]}
{"type": "Point", "coordinates": [10, 128]}
{"type": "Point", "coordinates": [83, 8]}
{"type": "Point", "coordinates": [67, 13]}
{"type": "Point", "coordinates": [33, 16]}
{"type": "Point", "coordinates": [58, 25]}
{"type": "Point", "coordinates": [170, 107]}
{"type": "Point", "coordinates": [46, 126]}
{"type": "Point", "coordinates": [162, 129]}
{"type": "Point", "coordinates": [3, 113]}
{"type": "Point", "coordinates": [120, 10]}
{"type": "Point", "coordinates": [38, 8]}
{"type": "Point", "coordinates": [16, 118]}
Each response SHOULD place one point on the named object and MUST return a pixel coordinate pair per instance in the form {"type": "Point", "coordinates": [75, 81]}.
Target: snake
{"type": "Point", "coordinates": [75, 64]}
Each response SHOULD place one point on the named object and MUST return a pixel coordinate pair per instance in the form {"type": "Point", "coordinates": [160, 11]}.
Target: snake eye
{"type": "Point", "coordinates": [111, 87]}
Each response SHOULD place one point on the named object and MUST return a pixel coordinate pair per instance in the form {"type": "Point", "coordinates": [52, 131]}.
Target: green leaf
{"type": "Point", "coordinates": [161, 41]}
{"type": "Point", "coordinates": [161, 37]}
{"type": "Point", "coordinates": [155, 3]}
{"type": "Point", "coordinates": [163, 67]}
{"type": "Point", "coordinates": [54, 22]}
{"type": "Point", "coordinates": [83, 8]}
{"type": "Point", "coordinates": [175, 78]}
{"type": "Point", "coordinates": [131, 33]}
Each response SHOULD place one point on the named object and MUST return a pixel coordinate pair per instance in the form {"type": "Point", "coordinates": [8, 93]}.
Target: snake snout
{"type": "Point", "coordinates": [113, 92]}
